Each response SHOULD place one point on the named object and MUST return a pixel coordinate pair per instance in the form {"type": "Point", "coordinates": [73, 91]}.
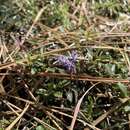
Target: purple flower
{"type": "Point", "coordinates": [68, 62]}
{"type": "Point", "coordinates": [73, 56]}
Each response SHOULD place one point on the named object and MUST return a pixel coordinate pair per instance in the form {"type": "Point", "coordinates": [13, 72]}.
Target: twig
{"type": "Point", "coordinates": [103, 116]}
{"type": "Point", "coordinates": [6, 102]}
{"type": "Point", "coordinates": [7, 65]}
{"type": "Point", "coordinates": [30, 93]}
{"type": "Point", "coordinates": [55, 123]}
{"type": "Point", "coordinates": [18, 118]}
{"type": "Point", "coordinates": [13, 106]}
{"type": "Point", "coordinates": [2, 90]}
{"type": "Point", "coordinates": [84, 123]}
{"type": "Point", "coordinates": [32, 26]}
{"type": "Point", "coordinates": [21, 99]}
{"type": "Point", "coordinates": [41, 107]}
{"type": "Point", "coordinates": [56, 118]}
{"type": "Point", "coordinates": [78, 107]}
{"type": "Point", "coordinates": [82, 77]}
{"type": "Point", "coordinates": [29, 31]}
{"type": "Point", "coordinates": [44, 124]}
{"type": "Point", "coordinates": [129, 120]}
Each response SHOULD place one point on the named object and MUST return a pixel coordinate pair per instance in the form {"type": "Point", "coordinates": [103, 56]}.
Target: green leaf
{"type": "Point", "coordinates": [123, 89]}
{"type": "Point", "coordinates": [58, 94]}
{"type": "Point", "coordinates": [40, 127]}
{"type": "Point", "coordinates": [127, 108]}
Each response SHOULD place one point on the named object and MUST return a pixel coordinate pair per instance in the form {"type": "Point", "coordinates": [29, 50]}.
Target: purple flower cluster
{"type": "Point", "coordinates": [68, 62]}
